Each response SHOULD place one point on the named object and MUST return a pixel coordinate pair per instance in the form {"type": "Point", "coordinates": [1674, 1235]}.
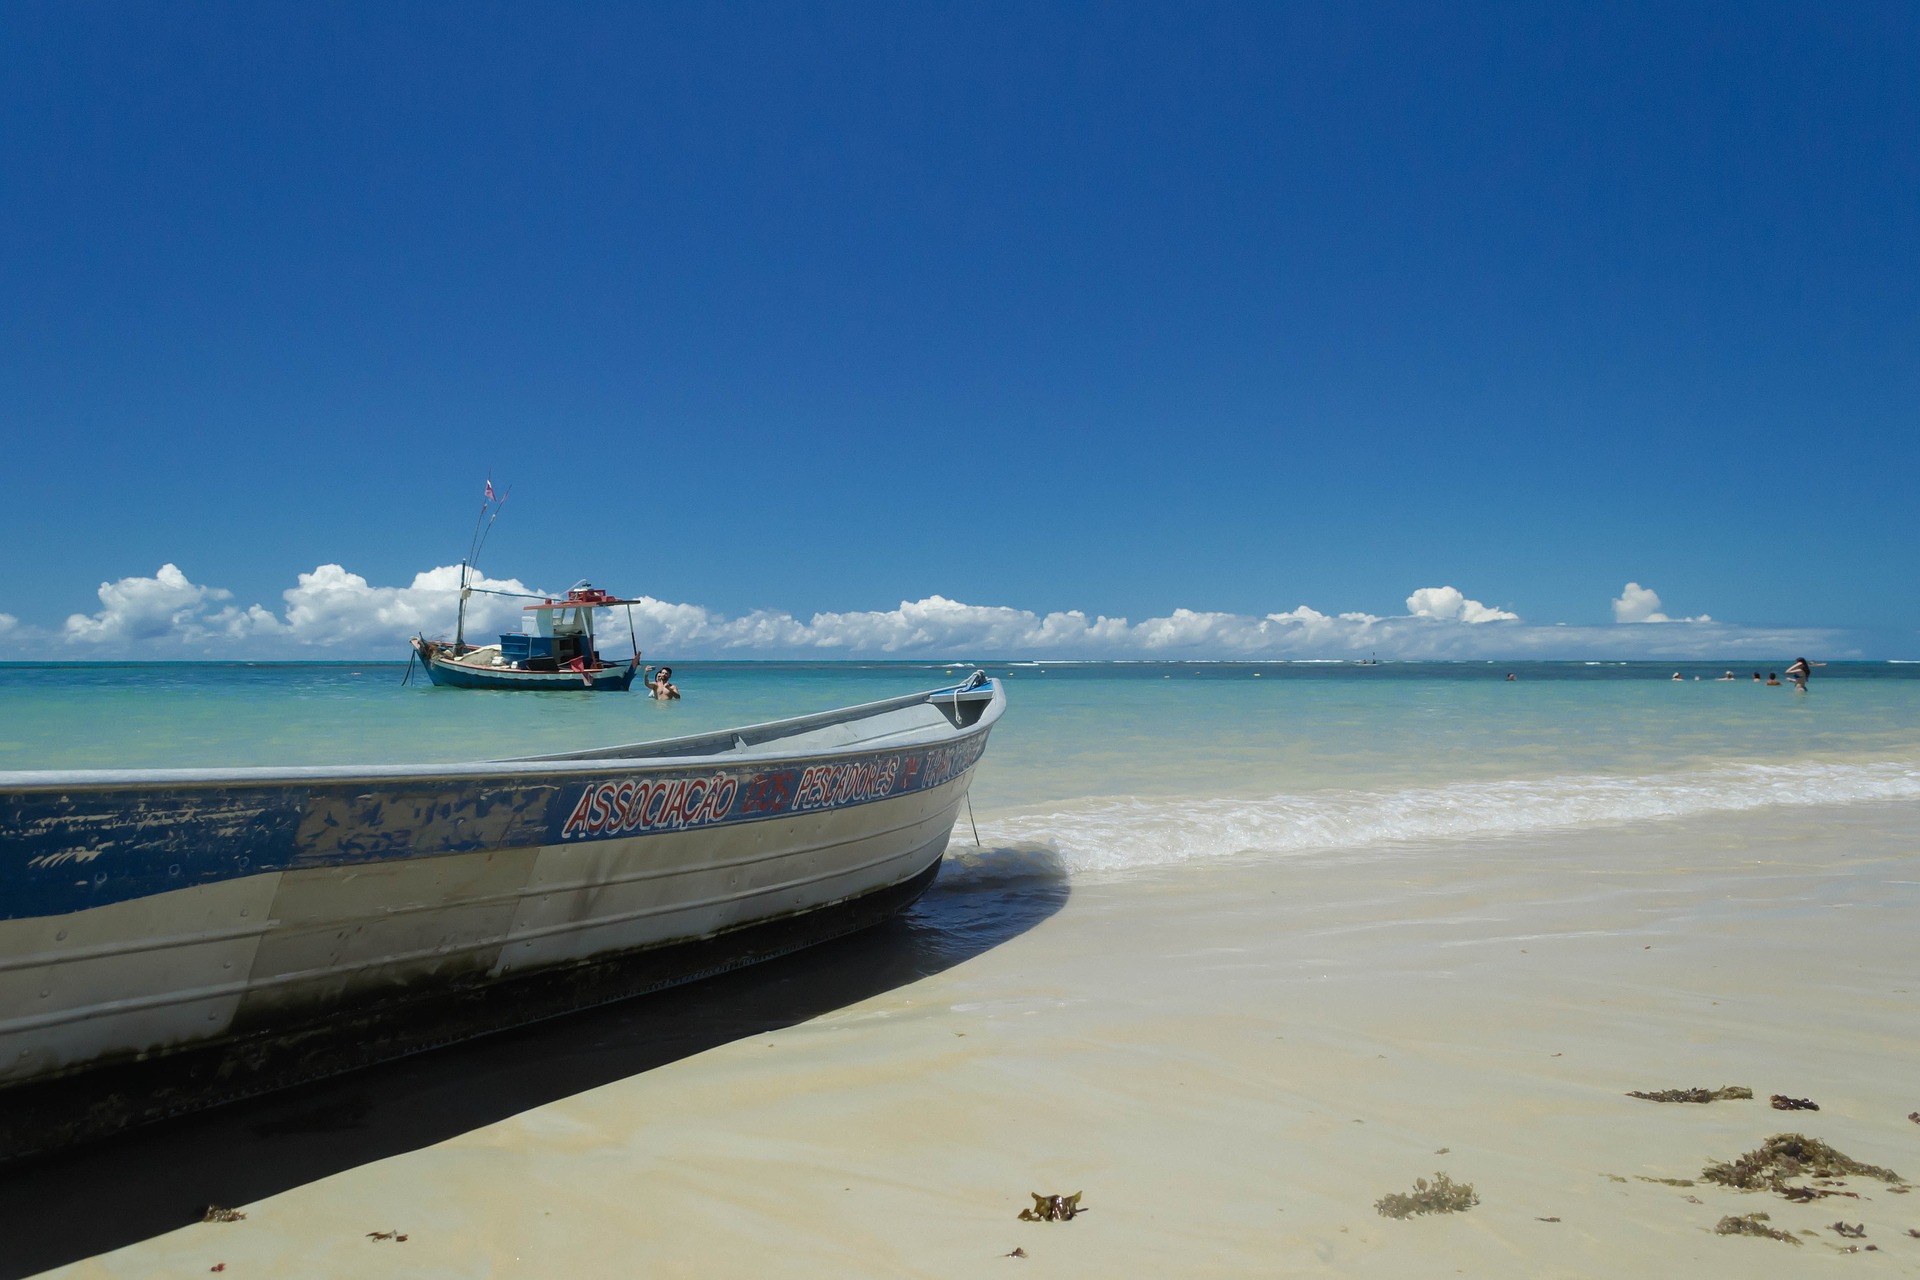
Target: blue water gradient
{"type": "Point", "coordinates": [1073, 729]}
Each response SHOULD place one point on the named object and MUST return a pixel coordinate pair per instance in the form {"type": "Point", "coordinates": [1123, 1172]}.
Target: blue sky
{"type": "Point", "coordinates": [775, 310]}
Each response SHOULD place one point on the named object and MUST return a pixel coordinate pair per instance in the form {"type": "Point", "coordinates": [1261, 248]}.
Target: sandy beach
{"type": "Point", "coordinates": [1233, 1061]}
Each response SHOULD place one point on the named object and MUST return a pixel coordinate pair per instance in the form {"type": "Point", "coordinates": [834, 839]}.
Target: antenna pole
{"type": "Point", "coordinates": [482, 526]}
{"type": "Point", "coordinates": [460, 627]}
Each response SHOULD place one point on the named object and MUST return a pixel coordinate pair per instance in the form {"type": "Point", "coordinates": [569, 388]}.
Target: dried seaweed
{"type": "Point", "coordinates": [1727, 1094]}
{"type": "Point", "coordinates": [1789, 1155]}
{"type": "Point", "coordinates": [1807, 1195]}
{"type": "Point", "coordinates": [1666, 1182]}
{"type": "Point", "coordinates": [1443, 1195]}
{"type": "Point", "coordinates": [215, 1213]}
{"type": "Point", "coordinates": [1857, 1231]}
{"type": "Point", "coordinates": [1053, 1208]}
{"type": "Point", "coordinates": [1751, 1224]}
{"type": "Point", "coordinates": [1781, 1102]}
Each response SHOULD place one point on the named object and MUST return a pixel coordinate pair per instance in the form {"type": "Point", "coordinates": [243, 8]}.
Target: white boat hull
{"type": "Point", "coordinates": [365, 931]}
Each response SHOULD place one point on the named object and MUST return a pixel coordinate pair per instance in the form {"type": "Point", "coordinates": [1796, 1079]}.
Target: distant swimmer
{"type": "Point", "coordinates": [1773, 678]}
{"type": "Point", "coordinates": [1509, 675]}
{"type": "Point", "coordinates": [1678, 676]}
{"type": "Point", "coordinates": [1756, 677]}
{"type": "Point", "coordinates": [1727, 676]}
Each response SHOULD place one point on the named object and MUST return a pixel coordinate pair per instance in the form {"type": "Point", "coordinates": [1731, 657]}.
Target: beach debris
{"type": "Point", "coordinates": [1781, 1102]}
{"type": "Point", "coordinates": [1016, 1253]}
{"type": "Point", "coordinates": [1912, 1232]}
{"type": "Point", "coordinates": [398, 1237]}
{"type": "Point", "coordinates": [1857, 1231]}
{"type": "Point", "coordinates": [1546, 1219]}
{"type": "Point", "coordinates": [1727, 1094]}
{"type": "Point", "coordinates": [1807, 1195]}
{"type": "Point", "coordinates": [1053, 1208]}
{"type": "Point", "coordinates": [215, 1213]}
{"type": "Point", "coordinates": [1442, 1195]}
{"type": "Point", "coordinates": [1789, 1155]}
{"type": "Point", "coordinates": [1914, 1116]}
{"type": "Point", "coordinates": [1751, 1224]}
{"type": "Point", "coordinates": [1666, 1182]}
{"type": "Point", "coordinates": [218, 1266]}
{"type": "Point", "coordinates": [1613, 1177]}
{"type": "Point", "coordinates": [1440, 1151]}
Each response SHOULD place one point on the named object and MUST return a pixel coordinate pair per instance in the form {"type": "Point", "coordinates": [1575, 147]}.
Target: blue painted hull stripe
{"type": "Point", "coordinates": [454, 676]}
{"type": "Point", "coordinates": [63, 851]}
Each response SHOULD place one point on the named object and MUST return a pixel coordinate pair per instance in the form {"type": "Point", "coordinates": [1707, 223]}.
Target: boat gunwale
{"type": "Point", "coordinates": [653, 754]}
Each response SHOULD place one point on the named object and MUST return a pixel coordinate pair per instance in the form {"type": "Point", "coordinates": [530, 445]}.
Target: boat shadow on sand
{"type": "Point", "coordinates": [78, 1203]}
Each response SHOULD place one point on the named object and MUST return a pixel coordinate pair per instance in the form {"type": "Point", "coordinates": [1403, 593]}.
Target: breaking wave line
{"type": "Point", "coordinates": [1119, 833]}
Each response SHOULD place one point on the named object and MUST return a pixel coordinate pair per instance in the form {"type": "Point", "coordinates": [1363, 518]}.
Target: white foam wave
{"type": "Point", "coordinates": [1119, 833]}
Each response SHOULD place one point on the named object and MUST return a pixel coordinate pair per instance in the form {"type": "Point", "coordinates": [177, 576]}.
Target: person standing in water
{"type": "Point", "coordinates": [1799, 673]}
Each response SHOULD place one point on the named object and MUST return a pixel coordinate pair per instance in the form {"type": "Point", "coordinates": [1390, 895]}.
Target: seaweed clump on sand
{"type": "Point", "coordinates": [1053, 1208]}
{"type": "Point", "coordinates": [1442, 1195]}
{"type": "Point", "coordinates": [1728, 1094]}
{"type": "Point", "coordinates": [1751, 1224]}
{"type": "Point", "coordinates": [1790, 1155]}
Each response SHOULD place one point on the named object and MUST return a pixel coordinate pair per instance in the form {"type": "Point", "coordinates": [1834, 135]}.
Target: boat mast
{"type": "Point", "coordinates": [482, 526]}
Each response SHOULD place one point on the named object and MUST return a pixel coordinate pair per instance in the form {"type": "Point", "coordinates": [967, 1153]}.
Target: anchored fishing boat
{"type": "Point", "coordinates": [174, 938]}
{"type": "Point", "coordinates": [554, 650]}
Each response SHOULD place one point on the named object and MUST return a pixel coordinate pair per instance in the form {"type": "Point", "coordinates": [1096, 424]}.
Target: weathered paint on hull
{"type": "Point", "coordinates": [242, 920]}
{"type": "Point", "coordinates": [48, 1115]}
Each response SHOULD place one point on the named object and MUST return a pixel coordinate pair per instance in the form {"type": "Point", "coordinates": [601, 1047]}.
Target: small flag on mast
{"type": "Point", "coordinates": [489, 488]}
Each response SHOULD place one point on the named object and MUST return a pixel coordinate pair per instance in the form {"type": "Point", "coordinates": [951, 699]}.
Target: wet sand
{"type": "Point", "coordinates": [1232, 1059]}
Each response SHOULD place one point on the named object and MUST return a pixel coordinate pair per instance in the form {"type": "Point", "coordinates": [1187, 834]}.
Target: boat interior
{"type": "Point", "coordinates": [914, 718]}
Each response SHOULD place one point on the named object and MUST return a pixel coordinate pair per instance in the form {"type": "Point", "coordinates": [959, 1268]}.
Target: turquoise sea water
{"type": "Point", "coordinates": [1113, 765]}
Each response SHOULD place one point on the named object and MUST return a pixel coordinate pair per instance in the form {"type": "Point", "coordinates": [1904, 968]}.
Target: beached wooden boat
{"type": "Point", "coordinates": [173, 938]}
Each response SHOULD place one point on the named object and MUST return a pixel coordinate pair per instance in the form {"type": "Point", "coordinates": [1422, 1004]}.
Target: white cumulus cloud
{"type": "Point", "coordinates": [328, 608]}
{"type": "Point", "coordinates": [166, 605]}
{"type": "Point", "coordinates": [330, 611]}
{"type": "Point", "coordinates": [1449, 605]}
{"type": "Point", "coordinates": [1642, 604]}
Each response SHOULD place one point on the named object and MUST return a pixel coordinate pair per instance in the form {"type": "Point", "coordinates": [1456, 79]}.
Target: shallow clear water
{"type": "Point", "coordinates": [1112, 765]}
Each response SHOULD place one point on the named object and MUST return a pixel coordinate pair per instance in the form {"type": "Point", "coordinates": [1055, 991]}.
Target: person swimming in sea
{"type": "Point", "coordinates": [1799, 672]}
{"type": "Point", "coordinates": [1773, 678]}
